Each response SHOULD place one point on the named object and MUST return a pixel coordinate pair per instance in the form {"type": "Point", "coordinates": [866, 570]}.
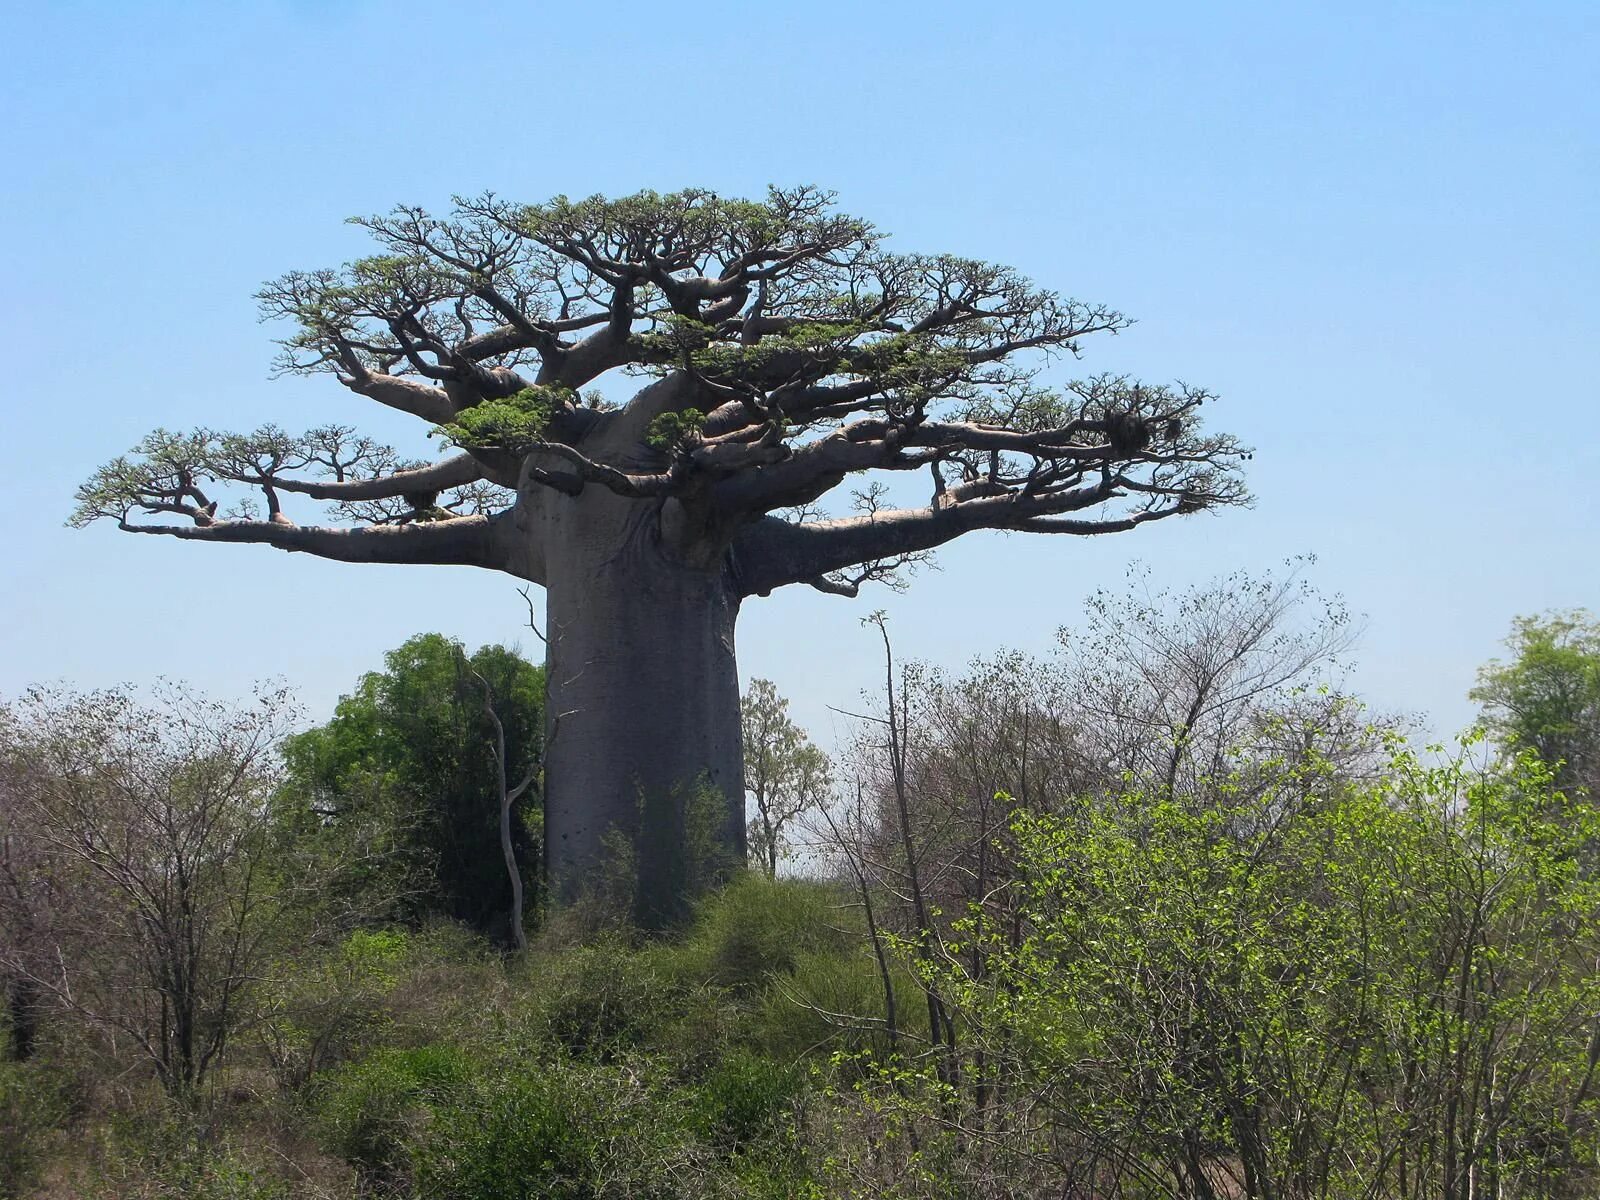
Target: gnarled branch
{"type": "Point", "coordinates": [773, 553]}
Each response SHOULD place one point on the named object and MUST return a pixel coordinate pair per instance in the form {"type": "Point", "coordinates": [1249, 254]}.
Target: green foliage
{"type": "Point", "coordinates": [673, 429]}
{"type": "Point", "coordinates": [330, 1003]}
{"type": "Point", "coordinates": [201, 1174]}
{"type": "Point", "coordinates": [831, 1001]}
{"type": "Point", "coordinates": [1325, 983]}
{"type": "Point", "coordinates": [367, 1112]}
{"type": "Point", "coordinates": [399, 786]}
{"type": "Point", "coordinates": [785, 775]}
{"type": "Point", "coordinates": [601, 1000]}
{"type": "Point", "coordinates": [744, 1099]}
{"type": "Point", "coordinates": [757, 927]}
{"type": "Point", "coordinates": [514, 423]}
{"type": "Point", "coordinates": [375, 953]}
{"type": "Point", "coordinates": [914, 366]}
{"type": "Point", "coordinates": [691, 218]}
{"type": "Point", "coordinates": [164, 458]}
{"type": "Point", "coordinates": [1318, 981]}
{"type": "Point", "coordinates": [521, 1140]}
{"type": "Point", "coordinates": [165, 1154]}
{"type": "Point", "coordinates": [1547, 698]}
{"type": "Point", "coordinates": [567, 1131]}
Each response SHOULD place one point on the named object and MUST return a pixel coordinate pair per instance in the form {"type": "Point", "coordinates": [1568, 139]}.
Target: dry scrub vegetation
{"type": "Point", "coordinates": [1164, 915]}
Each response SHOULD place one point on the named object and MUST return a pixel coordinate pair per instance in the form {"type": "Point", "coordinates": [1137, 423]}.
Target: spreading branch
{"type": "Point", "coordinates": [774, 553]}
{"type": "Point", "coordinates": [786, 349]}
{"type": "Point", "coordinates": [465, 541]}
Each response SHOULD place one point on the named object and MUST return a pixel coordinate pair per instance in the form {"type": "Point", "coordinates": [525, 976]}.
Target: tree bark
{"type": "Point", "coordinates": [643, 757]}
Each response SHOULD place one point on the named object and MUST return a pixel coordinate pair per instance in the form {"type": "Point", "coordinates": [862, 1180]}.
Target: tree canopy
{"type": "Point", "coordinates": [1547, 698]}
{"type": "Point", "coordinates": [789, 349]}
{"type": "Point", "coordinates": [404, 773]}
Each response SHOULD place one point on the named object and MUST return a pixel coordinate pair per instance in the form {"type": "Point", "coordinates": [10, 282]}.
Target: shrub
{"type": "Point", "coordinates": [33, 1102]}
{"type": "Point", "coordinates": [328, 1007]}
{"type": "Point", "coordinates": [167, 1152]}
{"type": "Point", "coordinates": [833, 1001]}
{"type": "Point", "coordinates": [205, 1176]}
{"type": "Point", "coordinates": [600, 1000]}
{"type": "Point", "coordinates": [568, 1130]}
{"type": "Point", "coordinates": [757, 927]}
{"type": "Point", "coordinates": [744, 1099]}
{"type": "Point", "coordinates": [366, 1111]}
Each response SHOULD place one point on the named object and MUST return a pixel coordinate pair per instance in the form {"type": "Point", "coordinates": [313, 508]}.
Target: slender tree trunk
{"type": "Point", "coordinates": [643, 749]}
{"type": "Point", "coordinates": [769, 845]}
{"type": "Point", "coordinates": [519, 935]}
{"type": "Point", "coordinates": [506, 796]}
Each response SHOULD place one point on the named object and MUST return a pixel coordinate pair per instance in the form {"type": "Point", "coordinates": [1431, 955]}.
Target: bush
{"type": "Point", "coordinates": [203, 1176]}
{"type": "Point", "coordinates": [568, 1131]}
{"type": "Point", "coordinates": [757, 927]}
{"type": "Point", "coordinates": [327, 1007]}
{"type": "Point", "coordinates": [600, 1000]}
{"type": "Point", "coordinates": [744, 1099]}
{"type": "Point", "coordinates": [33, 1101]}
{"type": "Point", "coordinates": [366, 1112]}
{"type": "Point", "coordinates": [168, 1153]}
{"type": "Point", "coordinates": [833, 1000]}
{"type": "Point", "coordinates": [523, 1137]}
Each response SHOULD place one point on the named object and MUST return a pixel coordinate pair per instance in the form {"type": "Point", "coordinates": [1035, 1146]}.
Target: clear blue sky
{"type": "Point", "coordinates": [1372, 228]}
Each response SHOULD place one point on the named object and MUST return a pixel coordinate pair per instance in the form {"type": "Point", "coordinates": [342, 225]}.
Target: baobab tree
{"type": "Point", "coordinates": [781, 350]}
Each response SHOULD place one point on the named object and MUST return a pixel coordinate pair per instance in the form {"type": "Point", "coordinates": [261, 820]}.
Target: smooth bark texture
{"type": "Point", "coordinates": [643, 702]}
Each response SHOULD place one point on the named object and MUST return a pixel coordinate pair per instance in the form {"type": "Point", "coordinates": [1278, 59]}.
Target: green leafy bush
{"type": "Point", "coordinates": [327, 1006]}
{"type": "Point", "coordinates": [204, 1176]}
{"type": "Point", "coordinates": [567, 1130]}
{"type": "Point", "coordinates": [366, 1112]}
{"type": "Point", "coordinates": [600, 1000]}
{"type": "Point", "coordinates": [744, 1099]}
{"type": "Point", "coordinates": [833, 1000]}
{"type": "Point", "coordinates": [163, 1151]}
{"type": "Point", "coordinates": [756, 927]}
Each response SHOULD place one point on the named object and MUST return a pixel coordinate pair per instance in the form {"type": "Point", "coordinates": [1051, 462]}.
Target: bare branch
{"type": "Point", "coordinates": [773, 553]}
{"type": "Point", "coordinates": [407, 395]}
{"type": "Point", "coordinates": [451, 472]}
{"type": "Point", "coordinates": [488, 542]}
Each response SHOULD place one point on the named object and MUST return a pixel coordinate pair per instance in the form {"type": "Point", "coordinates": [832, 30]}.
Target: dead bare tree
{"type": "Point", "coordinates": [1176, 687]}
{"type": "Point", "coordinates": [151, 821]}
{"type": "Point", "coordinates": [29, 898]}
{"type": "Point", "coordinates": [507, 798]}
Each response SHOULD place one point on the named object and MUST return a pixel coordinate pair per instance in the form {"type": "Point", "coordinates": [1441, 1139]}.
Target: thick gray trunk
{"type": "Point", "coordinates": [643, 756]}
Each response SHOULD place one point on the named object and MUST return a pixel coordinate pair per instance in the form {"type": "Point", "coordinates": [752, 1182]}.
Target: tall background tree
{"type": "Point", "coordinates": [404, 777]}
{"type": "Point", "coordinates": [785, 775]}
{"type": "Point", "coordinates": [786, 351]}
{"type": "Point", "coordinates": [1547, 698]}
